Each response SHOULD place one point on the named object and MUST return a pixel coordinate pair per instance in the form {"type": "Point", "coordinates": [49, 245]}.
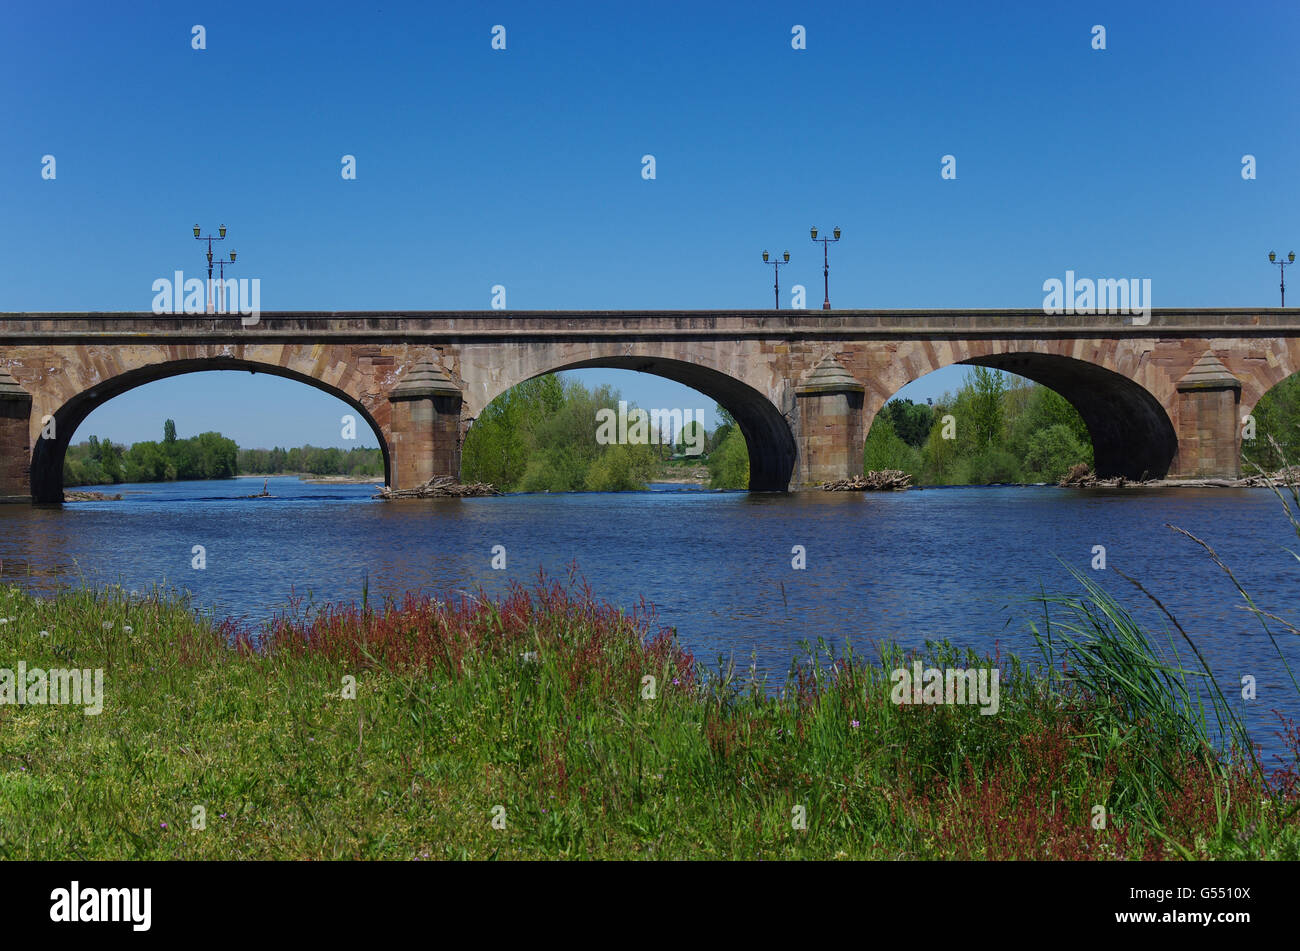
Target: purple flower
{"type": "Point", "coordinates": [855, 724]}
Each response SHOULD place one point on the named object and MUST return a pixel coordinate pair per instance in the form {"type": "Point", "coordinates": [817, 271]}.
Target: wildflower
{"type": "Point", "coordinates": [163, 824]}
{"type": "Point", "coordinates": [676, 682]}
{"type": "Point", "coordinates": [45, 633]}
{"type": "Point", "coordinates": [126, 628]}
{"type": "Point", "coordinates": [4, 620]}
{"type": "Point", "coordinates": [855, 724]}
{"type": "Point", "coordinates": [108, 625]}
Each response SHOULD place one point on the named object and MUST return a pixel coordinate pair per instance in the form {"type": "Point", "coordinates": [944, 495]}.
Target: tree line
{"type": "Point", "coordinates": [995, 428]}
{"type": "Point", "coordinates": [541, 436]}
{"type": "Point", "coordinates": [313, 460]}
{"type": "Point", "coordinates": [205, 456]}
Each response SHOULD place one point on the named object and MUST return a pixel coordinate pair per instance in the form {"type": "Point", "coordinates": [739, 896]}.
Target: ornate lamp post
{"type": "Point", "coordinates": [776, 270]}
{"type": "Point", "coordinates": [221, 280]}
{"type": "Point", "coordinates": [221, 236]}
{"type": "Point", "coordinates": [826, 267]}
{"type": "Point", "coordinates": [1290, 259]}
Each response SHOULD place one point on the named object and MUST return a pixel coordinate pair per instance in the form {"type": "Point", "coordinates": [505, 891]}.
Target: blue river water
{"type": "Point", "coordinates": [955, 563]}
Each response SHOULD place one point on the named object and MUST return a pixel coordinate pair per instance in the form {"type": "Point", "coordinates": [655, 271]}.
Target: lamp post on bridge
{"type": "Point", "coordinates": [776, 271]}
{"type": "Point", "coordinates": [1290, 259]}
{"type": "Point", "coordinates": [221, 278]}
{"type": "Point", "coordinates": [221, 236]}
{"type": "Point", "coordinates": [826, 267]}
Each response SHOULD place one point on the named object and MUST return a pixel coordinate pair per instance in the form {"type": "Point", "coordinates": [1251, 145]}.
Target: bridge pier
{"type": "Point", "coordinates": [1209, 445]}
{"type": "Point", "coordinates": [425, 441]}
{"type": "Point", "coordinates": [831, 432]}
{"type": "Point", "coordinates": [15, 445]}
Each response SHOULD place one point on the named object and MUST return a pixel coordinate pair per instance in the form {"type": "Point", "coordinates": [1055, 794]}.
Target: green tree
{"type": "Point", "coordinates": [987, 389]}
{"type": "Point", "coordinates": [911, 421]}
{"type": "Point", "coordinates": [145, 462]}
{"type": "Point", "coordinates": [169, 431]}
{"type": "Point", "coordinates": [557, 469]}
{"type": "Point", "coordinates": [729, 463]}
{"type": "Point", "coordinates": [991, 465]}
{"type": "Point", "coordinates": [885, 449]}
{"type": "Point", "coordinates": [1051, 453]}
{"type": "Point", "coordinates": [110, 460]}
{"type": "Point", "coordinates": [622, 468]}
{"type": "Point", "coordinates": [500, 442]}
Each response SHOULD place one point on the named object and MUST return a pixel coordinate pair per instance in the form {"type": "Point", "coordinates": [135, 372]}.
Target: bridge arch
{"type": "Point", "coordinates": [1130, 427]}
{"type": "Point", "coordinates": [48, 454]}
{"type": "Point", "coordinates": [767, 431]}
{"type": "Point", "coordinates": [1132, 435]}
{"type": "Point", "coordinates": [1271, 418]}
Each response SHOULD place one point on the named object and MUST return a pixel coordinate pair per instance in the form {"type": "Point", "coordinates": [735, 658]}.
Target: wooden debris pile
{"type": "Point", "coordinates": [443, 487]}
{"type": "Point", "coordinates": [74, 496]}
{"type": "Point", "coordinates": [1082, 477]}
{"type": "Point", "coordinates": [884, 480]}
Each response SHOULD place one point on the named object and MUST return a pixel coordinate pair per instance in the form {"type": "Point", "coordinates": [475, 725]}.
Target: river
{"type": "Point", "coordinates": [955, 563]}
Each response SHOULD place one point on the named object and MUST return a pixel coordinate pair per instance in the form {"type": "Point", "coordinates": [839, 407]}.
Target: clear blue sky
{"type": "Point", "coordinates": [522, 167]}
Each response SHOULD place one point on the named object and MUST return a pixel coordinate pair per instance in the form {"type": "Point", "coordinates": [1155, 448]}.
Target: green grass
{"type": "Point", "coordinates": [453, 717]}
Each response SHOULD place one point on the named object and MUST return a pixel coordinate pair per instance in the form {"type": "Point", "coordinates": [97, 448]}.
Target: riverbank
{"type": "Point", "coordinates": [1082, 477]}
{"type": "Point", "coordinates": [682, 475]}
{"type": "Point", "coordinates": [315, 479]}
{"type": "Point", "coordinates": [546, 725]}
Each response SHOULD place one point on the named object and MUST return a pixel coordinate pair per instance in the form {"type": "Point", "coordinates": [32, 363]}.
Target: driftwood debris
{"type": "Point", "coordinates": [443, 487]}
{"type": "Point", "coordinates": [74, 496]}
{"type": "Point", "coordinates": [1082, 477]}
{"type": "Point", "coordinates": [884, 480]}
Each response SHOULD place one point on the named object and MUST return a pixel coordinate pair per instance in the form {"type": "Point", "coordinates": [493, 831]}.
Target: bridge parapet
{"type": "Point", "coordinates": [846, 324]}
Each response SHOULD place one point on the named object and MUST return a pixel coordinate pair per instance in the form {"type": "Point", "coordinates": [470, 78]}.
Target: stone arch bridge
{"type": "Point", "coordinates": [1164, 399]}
